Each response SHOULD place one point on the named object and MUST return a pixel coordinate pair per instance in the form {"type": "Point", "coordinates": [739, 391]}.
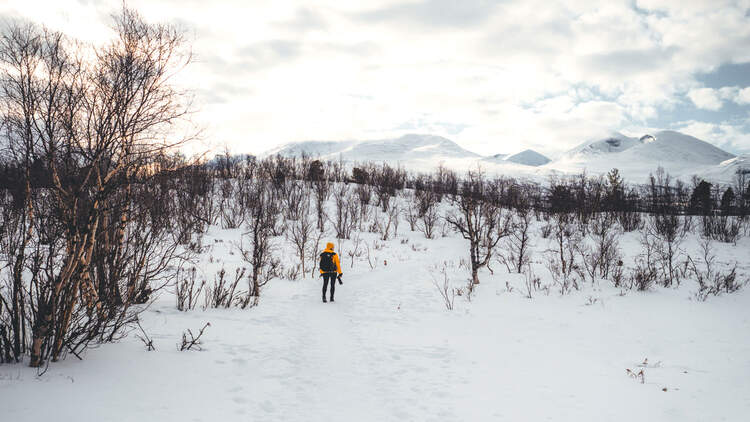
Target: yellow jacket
{"type": "Point", "coordinates": [329, 248]}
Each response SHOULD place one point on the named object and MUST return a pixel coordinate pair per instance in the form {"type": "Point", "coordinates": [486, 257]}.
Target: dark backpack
{"type": "Point", "coordinates": [326, 262]}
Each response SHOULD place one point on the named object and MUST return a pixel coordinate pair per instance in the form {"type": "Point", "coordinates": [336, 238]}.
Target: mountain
{"type": "Point", "coordinates": [664, 146]}
{"type": "Point", "coordinates": [497, 157]}
{"type": "Point", "coordinates": [727, 170]}
{"type": "Point", "coordinates": [526, 158]}
{"type": "Point", "coordinates": [529, 158]}
{"type": "Point", "coordinates": [679, 154]}
{"type": "Point", "coordinates": [405, 148]}
{"type": "Point", "coordinates": [615, 142]}
{"type": "Point", "coordinates": [674, 146]}
{"type": "Point", "coordinates": [636, 157]}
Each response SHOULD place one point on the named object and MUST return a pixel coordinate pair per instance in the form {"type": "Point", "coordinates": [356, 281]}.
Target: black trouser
{"type": "Point", "coordinates": [326, 278]}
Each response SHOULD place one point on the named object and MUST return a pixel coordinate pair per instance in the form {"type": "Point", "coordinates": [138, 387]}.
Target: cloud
{"type": "Point", "coordinates": [492, 75]}
{"type": "Point", "coordinates": [631, 61]}
{"type": "Point", "coordinates": [305, 19]}
{"type": "Point", "coordinates": [713, 99]}
{"type": "Point", "coordinates": [705, 98]}
{"type": "Point", "coordinates": [268, 53]}
{"type": "Point", "coordinates": [448, 13]}
{"type": "Point", "coordinates": [743, 96]}
{"type": "Point", "coordinates": [732, 137]}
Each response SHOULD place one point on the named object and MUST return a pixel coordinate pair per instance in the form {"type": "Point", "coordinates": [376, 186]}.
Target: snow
{"type": "Point", "coordinates": [388, 350]}
{"type": "Point", "coordinates": [680, 155]}
{"type": "Point", "coordinates": [406, 148]}
{"type": "Point", "coordinates": [616, 142]}
{"type": "Point", "coordinates": [727, 170]}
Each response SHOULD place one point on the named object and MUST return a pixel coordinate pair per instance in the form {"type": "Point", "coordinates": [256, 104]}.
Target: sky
{"type": "Point", "coordinates": [493, 76]}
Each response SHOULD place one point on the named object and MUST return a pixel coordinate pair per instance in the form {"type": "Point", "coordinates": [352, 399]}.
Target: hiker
{"type": "Point", "coordinates": [329, 268]}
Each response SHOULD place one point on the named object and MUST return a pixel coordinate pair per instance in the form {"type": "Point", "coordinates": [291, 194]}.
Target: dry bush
{"type": "Point", "coordinates": [561, 258]}
{"type": "Point", "coordinates": [224, 292]}
{"type": "Point", "coordinates": [663, 237]}
{"type": "Point", "coordinates": [710, 281]}
{"type": "Point", "coordinates": [645, 274]}
{"type": "Point", "coordinates": [186, 291]}
{"type": "Point", "coordinates": [441, 282]}
{"type": "Point", "coordinates": [532, 283]}
{"type": "Point", "coordinates": [190, 341]}
{"type": "Point", "coordinates": [604, 256]}
{"type": "Point", "coordinates": [300, 233]}
{"type": "Point", "coordinates": [723, 228]}
{"type": "Point", "coordinates": [356, 251]}
{"type": "Point", "coordinates": [346, 212]}
{"type": "Point", "coordinates": [517, 250]}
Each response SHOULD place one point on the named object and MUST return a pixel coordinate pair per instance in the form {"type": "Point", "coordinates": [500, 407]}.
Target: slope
{"type": "Point", "coordinates": [679, 154]}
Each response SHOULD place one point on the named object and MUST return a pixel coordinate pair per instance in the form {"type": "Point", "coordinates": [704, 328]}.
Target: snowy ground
{"type": "Point", "coordinates": [388, 350]}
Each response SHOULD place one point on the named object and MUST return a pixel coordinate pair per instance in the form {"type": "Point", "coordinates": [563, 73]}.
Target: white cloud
{"type": "Point", "coordinates": [743, 96]}
{"type": "Point", "coordinates": [732, 137]}
{"type": "Point", "coordinates": [544, 74]}
{"type": "Point", "coordinates": [705, 98]}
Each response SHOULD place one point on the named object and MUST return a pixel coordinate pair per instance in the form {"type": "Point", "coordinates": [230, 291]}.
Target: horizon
{"type": "Point", "coordinates": [478, 73]}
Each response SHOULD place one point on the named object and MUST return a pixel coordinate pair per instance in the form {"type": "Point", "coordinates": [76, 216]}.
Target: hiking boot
{"type": "Point", "coordinates": [332, 300]}
{"type": "Point", "coordinates": [324, 299]}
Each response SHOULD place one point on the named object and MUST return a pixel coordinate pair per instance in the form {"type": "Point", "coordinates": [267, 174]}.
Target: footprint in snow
{"type": "Point", "coordinates": [267, 406]}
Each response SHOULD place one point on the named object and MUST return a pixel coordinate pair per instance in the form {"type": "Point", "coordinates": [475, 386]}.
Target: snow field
{"type": "Point", "coordinates": [388, 350]}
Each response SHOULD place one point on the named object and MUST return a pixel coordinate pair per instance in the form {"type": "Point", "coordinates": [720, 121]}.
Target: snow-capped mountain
{"type": "Point", "coordinates": [615, 142]}
{"type": "Point", "coordinates": [529, 158]}
{"type": "Point", "coordinates": [681, 155]}
{"type": "Point", "coordinates": [402, 149]}
{"type": "Point", "coordinates": [664, 146]}
{"type": "Point", "coordinates": [636, 157]}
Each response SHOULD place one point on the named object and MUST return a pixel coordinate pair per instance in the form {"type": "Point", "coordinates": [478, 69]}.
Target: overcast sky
{"type": "Point", "coordinates": [496, 77]}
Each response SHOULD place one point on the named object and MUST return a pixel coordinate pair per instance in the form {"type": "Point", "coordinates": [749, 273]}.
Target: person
{"type": "Point", "coordinates": [330, 267]}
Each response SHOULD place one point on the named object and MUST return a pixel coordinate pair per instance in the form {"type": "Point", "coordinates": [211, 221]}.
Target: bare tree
{"type": "Point", "coordinates": [478, 221]}
{"type": "Point", "coordinates": [662, 232]}
{"type": "Point", "coordinates": [518, 243]}
{"type": "Point", "coordinates": [300, 232]}
{"type": "Point", "coordinates": [262, 215]}
{"type": "Point", "coordinates": [411, 210]}
{"type": "Point", "coordinates": [561, 261]}
{"type": "Point", "coordinates": [604, 256]}
{"type": "Point", "coordinates": [322, 190]}
{"type": "Point", "coordinates": [428, 212]}
{"type": "Point", "coordinates": [387, 221]}
{"type": "Point", "coordinates": [346, 212]}
{"type": "Point", "coordinates": [93, 118]}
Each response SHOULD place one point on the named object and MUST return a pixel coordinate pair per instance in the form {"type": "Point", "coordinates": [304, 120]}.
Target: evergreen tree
{"type": "Point", "coordinates": [700, 200]}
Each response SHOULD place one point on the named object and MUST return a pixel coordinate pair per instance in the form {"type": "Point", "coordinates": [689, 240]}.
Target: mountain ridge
{"type": "Point", "coordinates": [680, 154]}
